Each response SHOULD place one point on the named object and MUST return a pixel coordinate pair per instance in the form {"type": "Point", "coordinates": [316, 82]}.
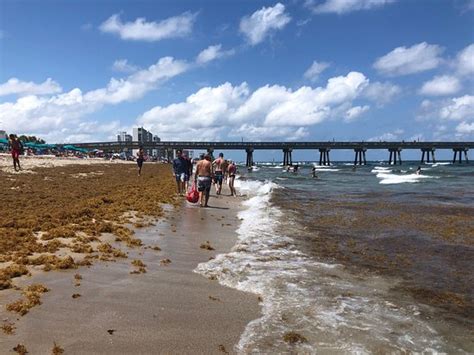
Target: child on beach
{"type": "Point", "coordinates": [15, 146]}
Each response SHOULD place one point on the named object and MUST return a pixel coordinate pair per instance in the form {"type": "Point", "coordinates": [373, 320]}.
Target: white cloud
{"type": "Point", "coordinates": [381, 93]}
{"type": "Point", "coordinates": [458, 108]}
{"type": "Point", "coordinates": [441, 85]}
{"type": "Point", "coordinates": [269, 111]}
{"type": "Point", "coordinates": [455, 109]}
{"type": "Point", "coordinates": [388, 136]}
{"type": "Point", "coordinates": [263, 22]}
{"type": "Point", "coordinates": [315, 69]}
{"type": "Point", "coordinates": [354, 112]}
{"type": "Point", "coordinates": [140, 30]}
{"type": "Point", "coordinates": [259, 133]}
{"type": "Point", "coordinates": [465, 60]}
{"type": "Point", "coordinates": [211, 53]}
{"type": "Point", "coordinates": [417, 58]}
{"type": "Point", "coordinates": [64, 111]}
{"type": "Point", "coordinates": [17, 87]}
{"type": "Point", "coordinates": [345, 6]}
{"type": "Point", "coordinates": [465, 128]}
{"type": "Point", "coordinates": [122, 65]}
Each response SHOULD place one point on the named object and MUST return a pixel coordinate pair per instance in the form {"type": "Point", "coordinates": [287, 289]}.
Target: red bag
{"type": "Point", "coordinates": [193, 194]}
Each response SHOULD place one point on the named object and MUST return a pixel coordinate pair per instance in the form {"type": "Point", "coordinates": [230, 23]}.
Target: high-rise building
{"type": "Point", "coordinates": [124, 137]}
{"type": "Point", "coordinates": [141, 135]}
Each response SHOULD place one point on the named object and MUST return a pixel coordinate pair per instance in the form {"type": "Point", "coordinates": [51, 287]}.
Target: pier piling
{"type": "Point", "coordinates": [287, 156]}
{"type": "Point", "coordinates": [460, 151]}
{"type": "Point", "coordinates": [427, 151]}
{"type": "Point", "coordinates": [249, 162]}
{"type": "Point", "coordinates": [394, 156]}
{"type": "Point", "coordinates": [324, 156]}
{"type": "Point", "coordinates": [360, 156]}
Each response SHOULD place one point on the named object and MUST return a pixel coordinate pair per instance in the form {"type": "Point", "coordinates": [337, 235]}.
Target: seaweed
{"type": "Point", "coordinates": [57, 349]}
{"type": "Point", "coordinates": [206, 245]}
{"type": "Point", "coordinates": [20, 349]}
{"type": "Point", "coordinates": [293, 338]}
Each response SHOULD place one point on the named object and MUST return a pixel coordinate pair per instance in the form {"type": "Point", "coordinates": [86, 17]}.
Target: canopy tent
{"type": "Point", "coordinates": [76, 149]}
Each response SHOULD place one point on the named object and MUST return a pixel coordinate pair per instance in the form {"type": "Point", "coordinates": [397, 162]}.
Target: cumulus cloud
{"type": "Point", "coordinates": [263, 22]}
{"type": "Point", "coordinates": [456, 109]}
{"type": "Point", "coordinates": [345, 6]}
{"type": "Point", "coordinates": [403, 61]}
{"type": "Point", "coordinates": [381, 93]}
{"type": "Point", "coordinates": [269, 111]}
{"type": "Point", "coordinates": [141, 30]}
{"type": "Point", "coordinates": [211, 53]}
{"type": "Point", "coordinates": [465, 60]}
{"type": "Point", "coordinates": [440, 86]}
{"type": "Point", "coordinates": [15, 86]}
{"type": "Point", "coordinates": [355, 112]}
{"type": "Point", "coordinates": [315, 70]}
{"type": "Point", "coordinates": [388, 136]}
{"type": "Point", "coordinates": [43, 114]}
{"type": "Point", "coordinates": [122, 65]}
{"type": "Point", "coordinates": [465, 128]}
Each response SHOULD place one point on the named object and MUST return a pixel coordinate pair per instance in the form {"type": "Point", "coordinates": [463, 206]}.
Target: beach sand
{"type": "Point", "coordinates": [168, 309]}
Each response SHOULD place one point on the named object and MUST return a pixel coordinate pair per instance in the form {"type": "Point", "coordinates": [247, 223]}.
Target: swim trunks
{"type": "Point", "coordinates": [182, 177]}
{"type": "Point", "coordinates": [218, 177]}
{"type": "Point", "coordinates": [139, 162]}
{"type": "Point", "coordinates": [15, 153]}
{"type": "Point", "coordinates": [204, 183]}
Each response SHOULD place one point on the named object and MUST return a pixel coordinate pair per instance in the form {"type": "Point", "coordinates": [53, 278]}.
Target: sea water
{"type": "Point", "coordinates": [374, 259]}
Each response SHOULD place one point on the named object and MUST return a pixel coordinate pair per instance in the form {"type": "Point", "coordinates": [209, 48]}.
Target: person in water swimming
{"type": "Point", "coordinates": [418, 170]}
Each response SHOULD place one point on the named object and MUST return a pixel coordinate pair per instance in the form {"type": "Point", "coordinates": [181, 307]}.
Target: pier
{"type": "Point", "coordinates": [394, 149]}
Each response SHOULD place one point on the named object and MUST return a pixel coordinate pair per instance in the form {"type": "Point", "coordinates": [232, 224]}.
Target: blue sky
{"type": "Point", "coordinates": [230, 70]}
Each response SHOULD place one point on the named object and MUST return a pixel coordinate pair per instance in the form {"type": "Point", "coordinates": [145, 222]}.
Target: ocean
{"type": "Point", "coordinates": [374, 259]}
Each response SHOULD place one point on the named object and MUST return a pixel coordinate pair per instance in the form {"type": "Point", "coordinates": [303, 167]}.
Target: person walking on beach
{"type": "Point", "coordinates": [140, 160]}
{"type": "Point", "coordinates": [15, 146]}
{"type": "Point", "coordinates": [203, 179]}
{"type": "Point", "coordinates": [219, 172]}
{"type": "Point", "coordinates": [189, 172]}
{"type": "Point", "coordinates": [180, 171]}
{"type": "Point", "coordinates": [232, 169]}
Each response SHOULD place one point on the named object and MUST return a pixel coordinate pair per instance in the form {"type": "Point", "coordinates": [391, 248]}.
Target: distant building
{"type": "Point", "coordinates": [124, 137]}
{"type": "Point", "coordinates": [141, 135]}
{"type": "Point", "coordinates": [3, 134]}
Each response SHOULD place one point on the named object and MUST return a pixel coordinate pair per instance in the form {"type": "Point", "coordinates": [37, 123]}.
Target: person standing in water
{"type": "Point", "coordinates": [203, 179]}
{"type": "Point", "coordinates": [140, 160]}
{"type": "Point", "coordinates": [232, 169]}
{"type": "Point", "coordinates": [219, 172]}
{"type": "Point", "coordinates": [15, 146]}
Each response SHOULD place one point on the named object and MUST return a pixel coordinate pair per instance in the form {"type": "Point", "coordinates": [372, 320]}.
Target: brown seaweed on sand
{"type": "Point", "coordinates": [57, 349]}
{"type": "Point", "coordinates": [32, 295]}
{"type": "Point", "coordinates": [165, 262]}
{"type": "Point", "coordinates": [222, 349]}
{"type": "Point", "coordinates": [293, 338]}
{"type": "Point", "coordinates": [76, 295]}
{"type": "Point", "coordinates": [8, 328]}
{"type": "Point", "coordinates": [20, 349]}
{"type": "Point", "coordinates": [206, 245]}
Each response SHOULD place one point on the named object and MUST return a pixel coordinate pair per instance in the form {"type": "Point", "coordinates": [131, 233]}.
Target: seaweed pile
{"type": "Point", "coordinates": [54, 218]}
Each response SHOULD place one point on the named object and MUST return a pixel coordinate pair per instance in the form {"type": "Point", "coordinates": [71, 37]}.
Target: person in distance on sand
{"type": "Point", "coordinates": [15, 146]}
{"type": "Point", "coordinates": [140, 160]}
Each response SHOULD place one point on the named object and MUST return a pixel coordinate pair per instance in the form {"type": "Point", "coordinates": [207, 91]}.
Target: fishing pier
{"type": "Point", "coordinates": [427, 149]}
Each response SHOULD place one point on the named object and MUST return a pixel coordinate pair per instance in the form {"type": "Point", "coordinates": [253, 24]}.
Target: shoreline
{"type": "Point", "coordinates": [168, 309]}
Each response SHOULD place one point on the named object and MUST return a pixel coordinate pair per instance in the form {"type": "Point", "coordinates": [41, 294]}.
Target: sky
{"type": "Point", "coordinates": [298, 70]}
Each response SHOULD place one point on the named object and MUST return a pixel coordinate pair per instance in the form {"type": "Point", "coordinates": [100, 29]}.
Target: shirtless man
{"type": "Point", "coordinates": [15, 146]}
{"type": "Point", "coordinates": [203, 179]}
{"type": "Point", "coordinates": [219, 172]}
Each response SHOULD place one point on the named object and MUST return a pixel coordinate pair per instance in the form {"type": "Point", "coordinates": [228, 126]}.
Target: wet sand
{"type": "Point", "coordinates": [168, 309]}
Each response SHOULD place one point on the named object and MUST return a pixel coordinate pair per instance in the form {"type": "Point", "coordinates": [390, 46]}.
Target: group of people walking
{"type": "Point", "coordinates": [208, 172]}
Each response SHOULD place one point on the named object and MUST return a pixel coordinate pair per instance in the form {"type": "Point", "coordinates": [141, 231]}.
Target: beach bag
{"type": "Point", "coordinates": [193, 194]}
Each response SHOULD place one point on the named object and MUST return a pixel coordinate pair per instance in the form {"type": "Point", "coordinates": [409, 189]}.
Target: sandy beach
{"type": "Point", "coordinates": [166, 309]}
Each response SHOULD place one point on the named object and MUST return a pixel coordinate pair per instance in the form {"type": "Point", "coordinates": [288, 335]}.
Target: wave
{"type": "Point", "coordinates": [335, 310]}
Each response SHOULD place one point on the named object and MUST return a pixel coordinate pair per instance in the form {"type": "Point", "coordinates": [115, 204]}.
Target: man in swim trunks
{"type": "Point", "coordinates": [232, 169]}
{"type": "Point", "coordinates": [180, 171]}
{"type": "Point", "coordinates": [203, 178]}
{"type": "Point", "coordinates": [219, 172]}
{"type": "Point", "coordinates": [15, 146]}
